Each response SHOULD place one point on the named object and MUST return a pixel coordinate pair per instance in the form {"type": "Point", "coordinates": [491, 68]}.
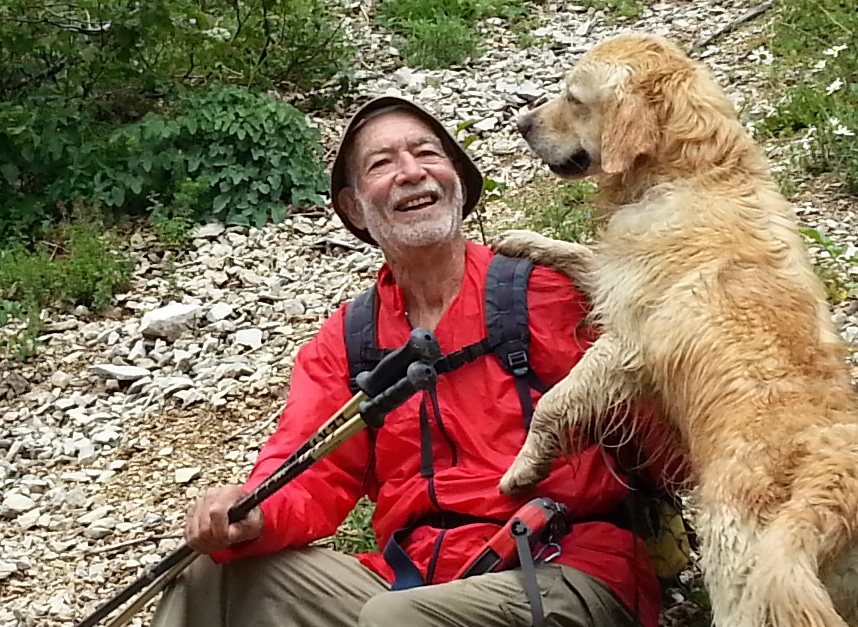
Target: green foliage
{"type": "Point", "coordinates": [834, 268]}
{"type": "Point", "coordinates": [81, 82]}
{"type": "Point", "coordinates": [225, 154]}
{"type": "Point", "coordinates": [435, 34]}
{"type": "Point", "coordinates": [559, 210]}
{"type": "Point", "coordinates": [355, 535]}
{"type": "Point", "coordinates": [175, 222]}
{"type": "Point", "coordinates": [621, 8]}
{"type": "Point", "coordinates": [437, 43]}
{"type": "Point", "coordinates": [83, 270]}
{"type": "Point", "coordinates": [818, 37]}
{"type": "Point", "coordinates": [228, 155]}
{"type": "Point", "coordinates": [112, 53]}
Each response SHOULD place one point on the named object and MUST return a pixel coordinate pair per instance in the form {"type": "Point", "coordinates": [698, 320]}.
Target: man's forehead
{"type": "Point", "coordinates": [371, 137]}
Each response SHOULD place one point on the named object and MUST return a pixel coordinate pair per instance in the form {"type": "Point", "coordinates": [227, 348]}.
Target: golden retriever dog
{"type": "Point", "coordinates": [707, 302]}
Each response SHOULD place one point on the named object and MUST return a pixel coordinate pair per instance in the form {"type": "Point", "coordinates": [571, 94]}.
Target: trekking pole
{"type": "Point", "coordinates": [393, 381]}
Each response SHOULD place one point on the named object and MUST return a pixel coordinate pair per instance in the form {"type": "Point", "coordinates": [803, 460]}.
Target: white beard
{"type": "Point", "coordinates": [396, 230]}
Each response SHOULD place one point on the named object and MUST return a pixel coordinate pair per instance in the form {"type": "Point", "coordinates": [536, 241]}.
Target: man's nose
{"type": "Point", "coordinates": [410, 169]}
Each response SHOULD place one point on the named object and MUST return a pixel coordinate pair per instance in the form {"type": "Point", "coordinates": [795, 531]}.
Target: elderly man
{"type": "Point", "coordinates": [400, 181]}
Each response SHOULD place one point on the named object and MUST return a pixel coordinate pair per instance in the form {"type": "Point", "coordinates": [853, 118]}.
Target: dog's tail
{"type": "Point", "coordinates": [784, 588]}
{"type": "Point", "coordinates": [818, 523]}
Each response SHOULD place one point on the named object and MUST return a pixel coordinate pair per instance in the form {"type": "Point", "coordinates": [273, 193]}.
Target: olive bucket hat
{"type": "Point", "coordinates": [472, 179]}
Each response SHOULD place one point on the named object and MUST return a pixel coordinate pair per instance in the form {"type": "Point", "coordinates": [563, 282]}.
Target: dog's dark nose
{"type": "Point", "coordinates": [525, 125]}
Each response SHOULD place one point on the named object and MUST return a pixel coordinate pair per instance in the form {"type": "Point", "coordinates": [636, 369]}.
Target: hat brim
{"type": "Point", "coordinates": [472, 178]}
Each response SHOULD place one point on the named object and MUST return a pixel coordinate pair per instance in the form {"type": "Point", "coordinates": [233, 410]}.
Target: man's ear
{"type": "Point", "coordinates": [348, 202]}
{"type": "Point", "coordinates": [630, 130]}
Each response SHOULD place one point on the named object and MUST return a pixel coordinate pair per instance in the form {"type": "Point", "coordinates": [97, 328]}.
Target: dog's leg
{"type": "Point", "coordinates": [726, 541]}
{"type": "Point", "coordinates": [602, 380]}
{"type": "Point", "coordinates": [569, 258]}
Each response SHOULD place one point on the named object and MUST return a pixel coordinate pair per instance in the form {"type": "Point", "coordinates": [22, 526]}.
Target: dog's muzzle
{"type": "Point", "coordinates": [578, 163]}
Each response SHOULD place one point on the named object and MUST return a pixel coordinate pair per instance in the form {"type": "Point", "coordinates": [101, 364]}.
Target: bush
{"type": "Point", "coordinates": [83, 269]}
{"type": "Point", "coordinates": [228, 154]}
{"type": "Point", "coordinates": [246, 156]}
{"type": "Point", "coordinates": [76, 80]}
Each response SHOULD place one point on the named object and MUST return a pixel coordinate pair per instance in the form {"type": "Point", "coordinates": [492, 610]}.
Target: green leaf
{"type": "Point", "coordinates": [220, 202]}
{"type": "Point", "coordinates": [118, 196]}
{"type": "Point", "coordinates": [278, 213]}
{"type": "Point", "coordinates": [11, 172]}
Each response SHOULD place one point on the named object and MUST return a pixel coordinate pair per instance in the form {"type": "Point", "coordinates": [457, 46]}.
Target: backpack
{"type": "Point", "coordinates": [507, 331]}
{"type": "Point", "coordinates": [655, 517]}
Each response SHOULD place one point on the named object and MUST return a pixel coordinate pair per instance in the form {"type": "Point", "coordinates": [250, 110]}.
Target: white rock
{"type": "Point", "coordinates": [186, 475]}
{"type": "Point", "coordinates": [29, 519]}
{"type": "Point", "coordinates": [220, 311]}
{"type": "Point", "coordinates": [60, 379]}
{"type": "Point", "coordinates": [7, 568]}
{"type": "Point", "coordinates": [107, 435]}
{"type": "Point", "coordinates": [120, 373]}
{"type": "Point", "coordinates": [486, 124]}
{"type": "Point", "coordinates": [249, 337]}
{"type": "Point", "coordinates": [96, 514]}
{"type": "Point", "coordinates": [207, 231]}
{"type": "Point", "coordinates": [15, 504]}
{"type": "Point", "coordinates": [137, 352]}
{"type": "Point", "coordinates": [168, 322]}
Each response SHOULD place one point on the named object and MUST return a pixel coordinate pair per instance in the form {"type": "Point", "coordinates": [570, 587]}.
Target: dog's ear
{"type": "Point", "coordinates": [630, 130]}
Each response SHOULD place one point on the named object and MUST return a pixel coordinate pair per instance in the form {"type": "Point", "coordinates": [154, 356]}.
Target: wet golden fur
{"type": "Point", "coordinates": [708, 302]}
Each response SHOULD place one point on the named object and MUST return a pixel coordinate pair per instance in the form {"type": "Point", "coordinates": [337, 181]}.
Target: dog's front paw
{"type": "Point", "coordinates": [532, 464]}
{"type": "Point", "coordinates": [516, 243]}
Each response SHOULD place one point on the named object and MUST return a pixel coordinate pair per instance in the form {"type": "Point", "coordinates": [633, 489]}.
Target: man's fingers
{"type": "Point", "coordinates": [207, 527]}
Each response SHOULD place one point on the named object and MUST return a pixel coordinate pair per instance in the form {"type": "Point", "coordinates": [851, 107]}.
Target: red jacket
{"type": "Point", "coordinates": [474, 440]}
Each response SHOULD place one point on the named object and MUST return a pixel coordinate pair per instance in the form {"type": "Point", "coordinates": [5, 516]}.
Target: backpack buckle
{"type": "Point", "coordinates": [517, 361]}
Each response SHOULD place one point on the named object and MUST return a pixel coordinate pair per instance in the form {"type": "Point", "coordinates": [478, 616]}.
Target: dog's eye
{"type": "Point", "coordinates": [572, 98]}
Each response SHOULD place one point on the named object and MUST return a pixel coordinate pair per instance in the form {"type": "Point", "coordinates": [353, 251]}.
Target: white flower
{"type": "Point", "coordinates": [839, 129]}
{"type": "Point", "coordinates": [819, 65]}
{"type": "Point", "coordinates": [835, 86]}
{"type": "Point", "coordinates": [761, 55]}
{"type": "Point", "coordinates": [193, 20]}
{"type": "Point", "coordinates": [836, 50]}
{"type": "Point", "coordinates": [809, 138]}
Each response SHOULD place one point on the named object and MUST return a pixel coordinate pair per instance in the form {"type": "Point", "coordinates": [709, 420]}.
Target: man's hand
{"type": "Point", "coordinates": [207, 527]}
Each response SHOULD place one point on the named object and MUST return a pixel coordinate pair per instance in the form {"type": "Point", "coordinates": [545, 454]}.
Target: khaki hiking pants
{"type": "Point", "coordinates": [317, 587]}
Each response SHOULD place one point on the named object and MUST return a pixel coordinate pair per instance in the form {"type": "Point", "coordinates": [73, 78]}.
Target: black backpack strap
{"type": "Point", "coordinates": [360, 333]}
{"type": "Point", "coordinates": [507, 325]}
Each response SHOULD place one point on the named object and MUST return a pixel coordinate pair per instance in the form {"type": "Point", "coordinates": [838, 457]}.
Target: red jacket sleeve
{"type": "Point", "coordinates": [314, 504]}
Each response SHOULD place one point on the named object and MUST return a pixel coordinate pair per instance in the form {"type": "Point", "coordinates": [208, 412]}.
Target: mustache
{"type": "Point", "coordinates": [402, 193]}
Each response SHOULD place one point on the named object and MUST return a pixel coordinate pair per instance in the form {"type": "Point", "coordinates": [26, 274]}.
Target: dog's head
{"type": "Point", "coordinates": [619, 104]}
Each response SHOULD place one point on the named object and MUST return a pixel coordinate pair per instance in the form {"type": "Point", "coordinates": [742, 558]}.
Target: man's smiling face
{"type": "Point", "coordinates": [407, 191]}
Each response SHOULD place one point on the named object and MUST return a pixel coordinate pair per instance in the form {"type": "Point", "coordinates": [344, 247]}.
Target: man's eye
{"type": "Point", "coordinates": [378, 164]}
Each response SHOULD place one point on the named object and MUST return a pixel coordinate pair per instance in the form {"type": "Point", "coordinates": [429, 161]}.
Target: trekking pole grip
{"type": "Point", "coordinates": [422, 345]}
{"type": "Point", "coordinates": [419, 376]}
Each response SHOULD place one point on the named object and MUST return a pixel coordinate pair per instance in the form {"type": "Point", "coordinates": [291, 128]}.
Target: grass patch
{"type": "Point", "coordinates": [617, 8]}
{"type": "Point", "coordinates": [79, 267]}
{"type": "Point", "coordinates": [558, 210]}
{"type": "Point", "coordinates": [435, 34]}
{"type": "Point", "coordinates": [815, 40]}
{"type": "Point", "coordinates": [355, 535]}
